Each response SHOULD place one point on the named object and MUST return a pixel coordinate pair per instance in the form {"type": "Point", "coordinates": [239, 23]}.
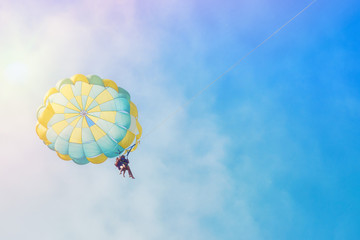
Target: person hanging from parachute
{"type": "Point", "coordinates": [122, 163]}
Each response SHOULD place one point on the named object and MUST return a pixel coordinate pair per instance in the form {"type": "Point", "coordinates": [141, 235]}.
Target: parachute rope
{"type": "Point", "coordinates": [224, 73]}
{"type": "Point", "coordinates": [128, 150]}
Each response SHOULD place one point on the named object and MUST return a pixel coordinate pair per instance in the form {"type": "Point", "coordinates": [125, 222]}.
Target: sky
{"type": "Point", "coordinates": [270, 151]}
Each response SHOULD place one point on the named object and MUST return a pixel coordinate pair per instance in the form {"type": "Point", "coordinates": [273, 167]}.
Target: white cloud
{"type": "Point", "coordinates": [180, 176]}
{"type": "Point", "coordinates": [180, 170]}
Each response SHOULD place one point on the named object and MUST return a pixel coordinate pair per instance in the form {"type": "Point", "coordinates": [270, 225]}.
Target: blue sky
{"type": "Point", "coordinates": [270, 151]}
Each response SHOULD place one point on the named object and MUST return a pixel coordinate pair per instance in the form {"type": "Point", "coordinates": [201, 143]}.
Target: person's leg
{"type": "Point", "coordinates": [122, 170]}
{"type": "Point", "coordinates": [130, 173]}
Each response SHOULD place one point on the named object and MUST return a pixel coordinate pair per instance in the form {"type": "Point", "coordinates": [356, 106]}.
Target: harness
{"type": "Point", "coordinates": [125, 161]}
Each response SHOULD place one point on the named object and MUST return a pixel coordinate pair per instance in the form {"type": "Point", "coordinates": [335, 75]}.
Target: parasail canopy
{"type": "Point", "coordinates": [88, 119]}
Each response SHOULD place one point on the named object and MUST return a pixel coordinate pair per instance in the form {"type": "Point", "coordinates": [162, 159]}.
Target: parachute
{"type": "Point", "coordinates": [88, 119]}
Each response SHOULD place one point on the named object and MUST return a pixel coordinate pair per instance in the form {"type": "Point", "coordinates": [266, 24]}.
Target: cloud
{"type": "Point", "coordinates": [184, 187]}
{"type": "Point", "coordinates": [179, 169]}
